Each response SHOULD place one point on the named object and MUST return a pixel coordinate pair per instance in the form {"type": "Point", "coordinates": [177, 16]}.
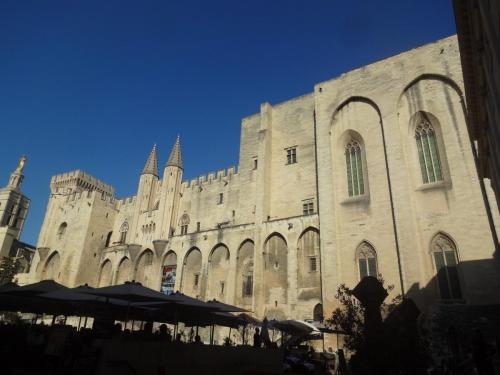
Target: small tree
{"type": "Point", "coordinates": [8, 269]}
{"type": "Point", "coordinates": [350, 316]}
{"type": "Point", "coordinates": [401, 346]}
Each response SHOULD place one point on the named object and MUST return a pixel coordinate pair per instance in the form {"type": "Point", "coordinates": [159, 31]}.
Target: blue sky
{"type": "Point", "coordinates": [92, 85]}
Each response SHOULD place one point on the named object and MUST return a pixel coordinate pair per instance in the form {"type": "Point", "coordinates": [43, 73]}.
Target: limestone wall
{"type": "Point", "coordinates": [247, 239]}
{"type": "Point", "coordinates": [73, 234]}
{"type": "Point", "coordinates": [386, 95]}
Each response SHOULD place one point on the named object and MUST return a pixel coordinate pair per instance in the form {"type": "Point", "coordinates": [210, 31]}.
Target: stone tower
{"type": "Point", "coordinates": [80, 216]}
{"type": "Point", "coordinates": [146, 193]}
{"type": "Point", "coordinates": [13, 209]}
{"type": "Point", "coordinates": [147, 183]}
{"type": "Point", "coordinates": [170, 192]}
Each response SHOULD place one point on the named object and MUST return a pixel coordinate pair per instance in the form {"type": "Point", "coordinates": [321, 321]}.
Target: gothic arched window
{"type": "Point", "coordinates": [367, 260]}
{"type": "Point", "coordinates": [108, 239]}
{"type": "Point", "coordinates": [354, 165]}
{"type": "Point", "coordinates": [123, 232]}
{"type": "Point", "coordinates": [428, 153]}
{"type": "Point", "coordinates": [445, 259]}
{"type": "Point", "coordinates": [9, 214]}
{"type": "Point", "coordinates": [184, 223]}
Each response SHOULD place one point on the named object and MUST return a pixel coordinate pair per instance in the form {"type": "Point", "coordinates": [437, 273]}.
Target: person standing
{"type": "Point", "coordinates": [256, 338]}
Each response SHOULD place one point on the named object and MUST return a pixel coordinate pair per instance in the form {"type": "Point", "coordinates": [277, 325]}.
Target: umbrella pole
{"type": "Point", "coordinates": [85, 323]}
{"type": "Point", "coordinates": [79, 323]}
{"type": "Point", "coordinates": [176, 326]}
{"type": "Point", "coordinates": [230, 333]}
{"type": "Point", "coordinates": [53, 320]}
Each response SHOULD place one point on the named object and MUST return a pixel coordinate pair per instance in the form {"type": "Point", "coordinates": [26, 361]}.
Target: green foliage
{"type": "Point", "coordinates": [400, 343]}
{"type": "Point", "coordinates": [8, 269]}
{"type": "Point", "coordinates": [350, 316]}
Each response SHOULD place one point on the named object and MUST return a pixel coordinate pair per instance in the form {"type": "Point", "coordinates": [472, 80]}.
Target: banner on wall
{"type": "Point", "coordinates": [168, 279]}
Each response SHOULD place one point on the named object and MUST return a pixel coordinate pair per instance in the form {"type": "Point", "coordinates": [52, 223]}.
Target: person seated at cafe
{"type": "Point", "coordinates": [164, 333]}
{"type": "Point", "coordinates": [147, 331]}
{"type": "Point", "coordinates": [178, 338]}
{"type": "Point", "coordinates": [117, 330]}
{"type": "Point", "coordinates": [197, 340]}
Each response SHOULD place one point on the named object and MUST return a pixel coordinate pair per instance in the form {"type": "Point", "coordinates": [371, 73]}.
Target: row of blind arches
{"type": "Point", "coordinates": [443, 250]}
{"type": "Point", "coordinates": [428, 154]}
{"type": "Point", "coordinates": [308, 247]}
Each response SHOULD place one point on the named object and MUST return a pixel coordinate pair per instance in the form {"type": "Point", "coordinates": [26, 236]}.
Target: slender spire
{"type": "Point", "coordinates": [175, 158]}
{"type": "Point", "coordinates": [151, 166]}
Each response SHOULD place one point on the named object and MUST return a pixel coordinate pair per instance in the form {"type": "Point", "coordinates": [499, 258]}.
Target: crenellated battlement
{"type": "Point", "coordinates": [221, 176]}
{"type": "Point", "coordinates": [76, 181]}
{"type": "Point", "coordinates": [126, 201]}
{"type": "Point", "coordinates": [88, 196]}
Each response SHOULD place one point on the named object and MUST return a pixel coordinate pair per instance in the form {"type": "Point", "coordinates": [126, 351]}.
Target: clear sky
{"type": "Point", "coordinates": [92, 84]}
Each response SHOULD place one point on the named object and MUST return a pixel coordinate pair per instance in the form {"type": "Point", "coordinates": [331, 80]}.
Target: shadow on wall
{"type": "Point", "coordinates": [451, 323]}
{"type": "Point", "coordinates": [469, 283]}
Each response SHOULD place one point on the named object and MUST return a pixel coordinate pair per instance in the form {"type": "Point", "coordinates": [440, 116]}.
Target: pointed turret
{"type": "Point", "coordinates": [171, 191]}
{"type": "Point", "coordinates": [151, 166]}
{"type": "Point", "coordinates": [175, 158]}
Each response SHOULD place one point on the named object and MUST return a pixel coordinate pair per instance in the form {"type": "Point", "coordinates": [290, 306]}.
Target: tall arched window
{"type": "Point", "coordinates": [428, 153]}
{"type": "Point", "coordinates": [445, 259]}
{"type": "Point", "coordinates": [367, 260]}
{"type": "Point", "coordinates": [61, 230]}
{"type": "Point", "coordinates": [123, 232]}
{"type": "Point", "coordinates": [184, 223]}
{"type": "Point", "coordinates": [9, 214]}
{"type": "Point", "coordinates": [108, 239]}
{"type": "Point", "coordinates": [354, 166]}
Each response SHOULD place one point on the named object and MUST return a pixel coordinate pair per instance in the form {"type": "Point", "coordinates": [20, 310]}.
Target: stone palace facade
{"type": "Point", "coordinates": [372, 173]}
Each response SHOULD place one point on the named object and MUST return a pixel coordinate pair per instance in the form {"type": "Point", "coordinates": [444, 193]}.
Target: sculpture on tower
{"type": "Point", "coordinates": [16, 177]}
